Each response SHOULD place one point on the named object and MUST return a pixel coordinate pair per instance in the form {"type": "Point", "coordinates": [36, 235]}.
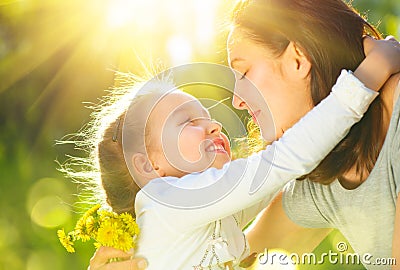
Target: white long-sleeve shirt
{"type": "Point", "coordinates": [195, 222]}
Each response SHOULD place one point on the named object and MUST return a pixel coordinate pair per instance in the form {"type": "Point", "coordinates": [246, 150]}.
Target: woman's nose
{"type": "Point", "coordinates": [238, 103]}
{"type": "Point", "coordinates": [214, 127]}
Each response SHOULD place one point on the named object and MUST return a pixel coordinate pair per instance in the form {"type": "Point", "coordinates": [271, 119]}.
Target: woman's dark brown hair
{"type": "Point", "coordinates": [330, 33]}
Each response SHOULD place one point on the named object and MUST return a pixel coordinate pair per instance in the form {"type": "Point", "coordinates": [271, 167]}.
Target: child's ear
{"type": "Point", "coordinates": [300, 65]}
{"type": "Point", "coordinates": [144, 169]}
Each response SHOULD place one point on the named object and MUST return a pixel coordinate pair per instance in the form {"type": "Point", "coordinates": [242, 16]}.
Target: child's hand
{"type": "Point", "coordinates": [101, 260]}
{"type": "Point", "coordinates": [386, 51]}
{"type": "Point", "coordinates": [382, 60]}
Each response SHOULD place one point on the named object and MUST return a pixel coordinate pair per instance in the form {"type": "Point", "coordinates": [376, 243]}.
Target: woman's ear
{"type": "Point", "coordinates": [299, 63]}
{"type": "Point", "coordinates": [144, 169]}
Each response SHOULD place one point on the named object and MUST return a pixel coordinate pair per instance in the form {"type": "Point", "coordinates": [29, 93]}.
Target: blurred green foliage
{"type": "Point", "coordinates": [55, 55]}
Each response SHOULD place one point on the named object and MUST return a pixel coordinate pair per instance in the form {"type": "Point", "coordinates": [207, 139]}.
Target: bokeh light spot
{"type": "Point", "coordinates": [48, 187]}
{"type": "Point", "coordinates": [49, 212]}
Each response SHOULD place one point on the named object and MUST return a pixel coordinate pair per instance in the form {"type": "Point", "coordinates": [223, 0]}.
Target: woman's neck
{"type": "Point", "coordinates": [388, 95]}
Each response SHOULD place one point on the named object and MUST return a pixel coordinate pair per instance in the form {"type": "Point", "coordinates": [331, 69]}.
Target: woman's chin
{"type": "Point", "coordinates": [270, 135]}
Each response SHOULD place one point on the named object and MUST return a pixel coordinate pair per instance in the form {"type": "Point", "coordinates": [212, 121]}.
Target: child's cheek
{"type": "Point", "coordinates": [190, 143]}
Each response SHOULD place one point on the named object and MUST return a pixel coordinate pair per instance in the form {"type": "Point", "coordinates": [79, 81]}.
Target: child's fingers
{"type": "Point", "coordinates": [391, 38]}
{"type": "Point", "coordinates": [103, 255]}
{"type": "Point", "coordinates": [368, 43]}
{"type": "Point", "coordinates": [394, 41]}
{"type": "Point", "coordinates": [134, 264]}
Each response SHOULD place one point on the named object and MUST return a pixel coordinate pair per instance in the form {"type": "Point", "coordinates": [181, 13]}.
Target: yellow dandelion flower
{"type": "Point", "coordinates": [97, 245]}
{"type": "Point", "coordinates": [80, 223]}
{"type": "Point", "coordinates": [134, 228]}
{"type": "Point", "coordinates": [125, 242]}
{"type": "Point", "coordinates": [106, 228]}
{"type": "Point", "coordinates": [90, 225]}
{"type": "Point", "coordinates": [92, 211]}
{"type": "Point", "coordinates": [104, 215]}
{"type": "Point", "coordinates": [86, 224]}
{"type": "Point", "coordinates": [126, 218]}
{"type": "Point", "coordinates": [66, 240]}
{"type": "Point", "coordinates": [107, 234]}
{"type": "Point", "coordinates": [81, 235]}
{"type": "Point", "coordinates": [80, 230]}
{"type": "Point", "coordinates": [130, 224]}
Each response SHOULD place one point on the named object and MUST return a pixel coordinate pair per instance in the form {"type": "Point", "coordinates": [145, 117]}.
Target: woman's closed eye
{"type": "Point", "coordinates": [243, 76]}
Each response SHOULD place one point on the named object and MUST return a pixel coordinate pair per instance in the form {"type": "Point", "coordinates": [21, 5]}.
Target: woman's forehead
{"type": "Point", "coordinates": [240, 47]}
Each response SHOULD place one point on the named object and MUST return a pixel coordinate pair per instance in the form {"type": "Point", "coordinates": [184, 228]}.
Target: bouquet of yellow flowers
{"type": "Point", "coordinates": [106, 228]}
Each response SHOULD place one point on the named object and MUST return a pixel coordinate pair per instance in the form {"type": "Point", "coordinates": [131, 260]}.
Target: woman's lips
{"type": "Point", "coordinates": [254, 115]}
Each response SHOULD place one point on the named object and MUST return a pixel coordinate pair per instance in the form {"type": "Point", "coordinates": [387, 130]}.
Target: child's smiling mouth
{"type": "Point", "coordinates": [217, 145]}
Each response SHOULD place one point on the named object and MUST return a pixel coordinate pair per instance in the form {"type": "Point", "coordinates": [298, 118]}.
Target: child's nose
{"type": "Point", "coordinates": [214, 127]}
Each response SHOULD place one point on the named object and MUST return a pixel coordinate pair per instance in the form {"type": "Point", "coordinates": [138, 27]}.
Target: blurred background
{"type": "Point", "coordinates": [55, 56]}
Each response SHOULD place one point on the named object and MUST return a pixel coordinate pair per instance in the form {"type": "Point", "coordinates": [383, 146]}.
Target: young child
{"type": "Point", "coordinates": [169, 160]}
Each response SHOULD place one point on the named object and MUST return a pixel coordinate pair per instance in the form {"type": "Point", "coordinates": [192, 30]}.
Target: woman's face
{"type": "Point", "coordinates": [277, 81]}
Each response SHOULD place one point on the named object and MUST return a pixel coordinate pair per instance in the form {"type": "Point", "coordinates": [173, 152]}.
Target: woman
{"type": "Point", "coordinates": [305, 44]}
{"type": "Point", "coordinates": [293, 52]}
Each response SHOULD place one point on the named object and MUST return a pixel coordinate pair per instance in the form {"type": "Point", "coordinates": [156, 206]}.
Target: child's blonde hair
{"type": "Point", "coordinates": [104, 173]}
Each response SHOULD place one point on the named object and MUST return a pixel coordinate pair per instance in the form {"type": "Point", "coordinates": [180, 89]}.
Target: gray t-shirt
{"type": "Point", "coordinates": [365, 215]}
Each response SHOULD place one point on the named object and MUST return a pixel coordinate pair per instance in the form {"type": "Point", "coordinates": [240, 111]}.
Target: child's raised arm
{"type": "Point", "coordinates": [200, 198]}
{"type": "Point", "coordinates": [197, 199]}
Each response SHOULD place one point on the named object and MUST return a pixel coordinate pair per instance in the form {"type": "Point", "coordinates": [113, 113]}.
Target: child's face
{"type": "Point", "coordinates": [183, 138]}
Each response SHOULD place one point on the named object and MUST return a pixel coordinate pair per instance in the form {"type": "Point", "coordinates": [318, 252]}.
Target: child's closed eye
{"type": "Point", "coordinates": [187, 121]}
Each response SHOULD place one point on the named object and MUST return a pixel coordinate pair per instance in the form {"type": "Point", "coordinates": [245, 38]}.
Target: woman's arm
{"type": "Point", "coordinates": [273, 229]}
